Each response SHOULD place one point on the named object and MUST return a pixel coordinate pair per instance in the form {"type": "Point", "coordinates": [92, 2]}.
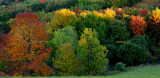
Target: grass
{"type": "Point", "coordinates": [151, 71]}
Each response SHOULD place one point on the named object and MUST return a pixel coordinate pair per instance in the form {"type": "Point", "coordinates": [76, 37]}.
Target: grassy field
{"type": "Point", "coordinates": [152, 71]}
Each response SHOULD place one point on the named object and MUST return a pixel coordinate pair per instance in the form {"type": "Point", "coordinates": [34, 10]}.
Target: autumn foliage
{"type": "Point", "coordinates": [143, 12]}
{"type": "Point", "coordinates": [156, 16]}
{"type": "Point", "coordinates": [61, 19]}
{"type": "Point", "coordinates": [24, 46]}
{"type": "Point", "coordinates": [66, 61]}
{"type": "Point", "coordinates": [110, 13]}
{"type": "Point", "coordinates": [138, 25]}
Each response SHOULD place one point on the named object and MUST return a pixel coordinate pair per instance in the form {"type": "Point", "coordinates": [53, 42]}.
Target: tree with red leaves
{"type": "Point", "coordinates": [143, 12]}
{"type": "Point", "coordinates": [24, 46]}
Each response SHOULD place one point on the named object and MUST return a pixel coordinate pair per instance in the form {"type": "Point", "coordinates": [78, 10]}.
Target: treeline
{"type": "Point", "coordinates": [41, 38]}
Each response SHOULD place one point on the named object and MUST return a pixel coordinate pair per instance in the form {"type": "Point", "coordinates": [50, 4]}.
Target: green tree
{"type": "Point", "coordinates": [65, 35]}
{"type": "Point", "coordinates": [91, 53]}
{"type": "Point", "coordinates": [65, 61]}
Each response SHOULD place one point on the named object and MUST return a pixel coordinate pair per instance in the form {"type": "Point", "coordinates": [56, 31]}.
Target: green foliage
{"type": "Point", "coordinates": [119, 3]}
{"type": "Point", "coordinates": [45, 16]}
{"type": "Point", "coordinates": [140, 40]}
{"type": "Point", "coordinates": [3, 67]}
{"type": "Point", "coordinates": [91, 53]}
{"type": "Point", "coordinates": [65, 61]}
{"type": "Point", "coordinates": [90, 4]}
{"type": "Point", "coordinates": [92, 21]}
{"type": "Point", "coordinates": [54, 5]}
{"type": "Point", "coordinates": [107, 4]}
{"type": "Point", "coordinates": [131, 54]}
{"type": "Point", "coordinates": [133, 2]}
{"type": "Point", "coordinates": [38, 6]}
{"type": "Point", "coordinates": [131, 11]}
{"type": "Point", "coordinates": [4, 27]}
{"type": "Point", "coordinates": [120, 66]}
{"type": "Point", "coordinates": [65, 35]}
{"type": "Point", "coordinates": [117, 31]}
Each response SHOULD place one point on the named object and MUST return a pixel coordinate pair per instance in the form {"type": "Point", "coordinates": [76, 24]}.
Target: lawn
{"type": "Point", "coordinates": [151, 71]}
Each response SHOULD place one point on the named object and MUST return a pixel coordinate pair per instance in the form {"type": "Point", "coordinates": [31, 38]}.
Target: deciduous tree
{"type": "Point", "coordinates": [91, 53]}
{"type": "Point", "coordinates": [24, 46]}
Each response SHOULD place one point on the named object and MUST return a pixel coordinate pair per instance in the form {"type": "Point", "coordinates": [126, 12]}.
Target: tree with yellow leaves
{"type": "Point", "coordinates": [91, 53]}
{"type": "Point", "coordinates": [65, 61]}
{"type": "Point", "coordinates": [61, 19]}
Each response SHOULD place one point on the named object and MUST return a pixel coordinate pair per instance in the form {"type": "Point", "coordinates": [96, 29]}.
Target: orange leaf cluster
{"type": "Point", "coordinates": [24, 46]}
{"type": "Point", "coordinates": [138, 25]}
{"type": "Point", "coordinates": [119, 11]}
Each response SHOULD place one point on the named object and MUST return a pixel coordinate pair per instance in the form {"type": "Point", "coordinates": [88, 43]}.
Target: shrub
{"type": "Point", "coordinates": [91, 53]}
{"type": "Point", "coordinates": [138, 25]}
{"type": "Point", "coordinates": [61, 19]}
{"type": "Point", "coordinates": [143, 12]}
{"type": "Point", "coordinates": [120, 66]}
{"type": "Point", "coordinates": [140, 40]}
{"type": "Point", "coordinates": [65, 61]}
{"type": "Point", "coordinates": [131, 54]}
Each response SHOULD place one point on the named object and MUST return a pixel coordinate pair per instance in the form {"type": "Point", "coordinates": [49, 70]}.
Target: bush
{"type": "Point", "coordinates": [91, 53]}
{"type": "Point", "coordinates": [61, 19]}
{"type": "Point", "coordinates": [140, 40]}
{"type": "Point", "coordinates": [131, 54]}
{"type": "Point", "coordinates": [120, 66]}
{"type": "Point", "coordinates": [138, 25]}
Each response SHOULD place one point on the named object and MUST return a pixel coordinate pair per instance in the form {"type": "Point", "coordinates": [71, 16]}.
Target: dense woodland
{"type": "Point", "coordinates": [77, 37]}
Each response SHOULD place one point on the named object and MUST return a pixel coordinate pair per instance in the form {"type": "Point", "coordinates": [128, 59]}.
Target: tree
{"type": "Point", "coordinates": [24, 46]}
{"type": "Point", "coordinates": [65, 61]}
{"type": "Point", "coordinates": [138, 25]}
{"type": "Point", "coordinates": [61, 19]}
{"type": "Point", "coordinates": [91, 53]}
{"type": "Point", "coordinates": [65, 35]}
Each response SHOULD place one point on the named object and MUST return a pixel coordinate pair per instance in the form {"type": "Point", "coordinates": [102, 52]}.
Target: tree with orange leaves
{"type": "Point", "coordinates": [138, 25]}
{"type": "Point", "coordinates": [24, 46]}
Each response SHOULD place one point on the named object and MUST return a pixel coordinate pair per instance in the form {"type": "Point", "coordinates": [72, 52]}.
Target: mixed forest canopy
{"type": "Point", "coordinates": [77, 37]}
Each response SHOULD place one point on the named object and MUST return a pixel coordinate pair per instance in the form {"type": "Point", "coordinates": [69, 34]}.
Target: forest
{"type": "Point", "coordinates": [55, 38]}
